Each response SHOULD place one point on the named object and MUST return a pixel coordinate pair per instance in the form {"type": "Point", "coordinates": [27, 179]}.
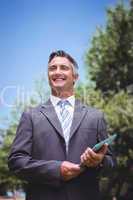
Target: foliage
{"type": "Point", "coordinates": [119, 115]}
{"type": "Point", "coordinates": [6, 179]}
{"type": "Point", "coordinates": [109, 61]}
{"type": "Point", "coordinates": [40, 93]}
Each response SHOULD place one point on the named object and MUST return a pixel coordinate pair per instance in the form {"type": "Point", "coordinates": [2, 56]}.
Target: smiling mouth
{"type": "Point", "coordinates": [58, 79]}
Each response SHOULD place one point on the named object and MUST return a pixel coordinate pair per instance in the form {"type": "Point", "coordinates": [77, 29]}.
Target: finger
{"type": "Point", "coordinates": [86, 157]}
{"type": "Point", "coordinates": [88, 150]}
{"type": "Point", "coordinates": [81, 159]}
{"type": "Point", "coordinates": [86, 161]}
{"type": "Point", "coordinates": [96, 157]}
{"type": "Point", "coordinates": [75, 168]}
{"type": "Point", "coordinates": [91, 155]}
{"type": "Point", "coordinates": [104, 149]}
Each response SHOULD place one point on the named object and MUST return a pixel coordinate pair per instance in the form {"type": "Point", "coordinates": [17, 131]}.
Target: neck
{"type": "Point", "coordinates": [62, 94]}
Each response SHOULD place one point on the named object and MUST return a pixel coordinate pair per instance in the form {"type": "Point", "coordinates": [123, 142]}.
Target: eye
{"type": "Point", "coordinates": [52, 67]}
{"type": "Point", "coordinates": [65, 67]}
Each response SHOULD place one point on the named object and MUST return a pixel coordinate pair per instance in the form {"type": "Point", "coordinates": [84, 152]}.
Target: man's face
{"type": "Point", "coordinates": [60, 74]}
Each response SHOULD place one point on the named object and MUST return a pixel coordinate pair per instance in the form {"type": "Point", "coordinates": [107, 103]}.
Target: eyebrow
{"type": "Point", "coordinates": [59, 65]}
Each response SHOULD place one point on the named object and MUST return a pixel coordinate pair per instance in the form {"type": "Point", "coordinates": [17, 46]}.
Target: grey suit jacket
{"type": "Point", "coordinates": [39, 149]}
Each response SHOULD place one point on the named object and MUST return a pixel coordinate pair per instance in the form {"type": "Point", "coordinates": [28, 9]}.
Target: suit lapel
{"type": "Point", "coordinates": [48, 110]}
{"type": "Point", "coordinates": [79, 113]}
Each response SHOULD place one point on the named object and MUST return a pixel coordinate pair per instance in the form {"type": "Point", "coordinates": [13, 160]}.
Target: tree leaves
{"type": "Point", "coordinates": [110, 58]}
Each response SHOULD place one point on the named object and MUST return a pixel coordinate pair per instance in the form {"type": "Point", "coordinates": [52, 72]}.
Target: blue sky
{"type": "Point", "coordinates": [31, 29]}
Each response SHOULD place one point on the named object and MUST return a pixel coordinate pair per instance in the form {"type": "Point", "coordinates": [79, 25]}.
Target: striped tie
{"type": "Point", "coordinates": [66, 119]}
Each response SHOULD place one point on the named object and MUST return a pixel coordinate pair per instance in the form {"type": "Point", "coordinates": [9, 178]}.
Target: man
{"type": "Point", "coordinates": [54, 138]}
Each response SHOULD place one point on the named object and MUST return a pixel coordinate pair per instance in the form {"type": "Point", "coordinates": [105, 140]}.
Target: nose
{"type": "Point", "coordinates": [58, 70]}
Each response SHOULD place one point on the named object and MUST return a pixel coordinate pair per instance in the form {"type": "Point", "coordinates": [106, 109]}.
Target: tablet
{"type": "Point", "coordinates": [98, 146]}
{"type": "Point", "coordinates": [108, 141]}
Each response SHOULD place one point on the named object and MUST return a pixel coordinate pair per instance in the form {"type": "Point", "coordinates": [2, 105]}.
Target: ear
{"type": "Point", "coordinates": [76, 77]}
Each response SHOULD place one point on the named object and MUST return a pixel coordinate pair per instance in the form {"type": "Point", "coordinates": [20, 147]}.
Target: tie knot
{"type": "Point", "coordinates": [63, 103]}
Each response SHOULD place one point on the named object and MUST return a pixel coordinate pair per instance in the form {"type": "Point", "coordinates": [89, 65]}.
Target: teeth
{"type": "Point", "coordinates": [59, 79]}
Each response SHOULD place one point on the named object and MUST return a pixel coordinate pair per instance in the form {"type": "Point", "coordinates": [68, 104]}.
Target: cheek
{"type": "Point", "coordinates": [49, 75]}
{"type": "Point", "coordinates": [49, 79]}
{"type": "Point", "coordinates": [71, 78]}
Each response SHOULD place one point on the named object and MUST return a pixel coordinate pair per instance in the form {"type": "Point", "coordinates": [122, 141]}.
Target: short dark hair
{"type": "Point", "coordinates": [62, 53]}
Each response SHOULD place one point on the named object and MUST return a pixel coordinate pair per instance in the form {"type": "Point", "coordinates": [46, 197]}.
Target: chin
{"type": "Point", "coordinates": [59, 88]}
{"type": "Point", "coordinates": [58, 85]}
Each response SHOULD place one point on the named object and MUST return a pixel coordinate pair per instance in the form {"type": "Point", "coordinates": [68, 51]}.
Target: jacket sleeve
{"type": "Point", "coordinates": [109, 159]}
{"type": "Point", "coordinates": [21, 162]}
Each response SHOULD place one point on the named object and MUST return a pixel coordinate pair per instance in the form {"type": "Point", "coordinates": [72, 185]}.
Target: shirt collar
{"type": "Point", "coordinates": [55, 100]}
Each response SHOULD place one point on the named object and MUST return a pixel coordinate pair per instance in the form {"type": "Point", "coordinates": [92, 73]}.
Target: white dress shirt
{"type": "Point", "coordinates": [70, 107]}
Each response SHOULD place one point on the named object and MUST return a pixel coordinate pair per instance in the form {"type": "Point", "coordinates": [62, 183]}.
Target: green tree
{"type": "Point", "coordinates": [118, 111]}
{"type": "Point", "coordinates": [109, 61]}
{"type": "Point", "coordinates": [109, 64]}
{"type": "Point", "coordinates": [6, 179]}
{"type": "Point", "coordinates": [39, 94]}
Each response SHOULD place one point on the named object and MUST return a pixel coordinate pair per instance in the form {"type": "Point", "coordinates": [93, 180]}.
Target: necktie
{"type": "Point", "coordinates": [66, 120]}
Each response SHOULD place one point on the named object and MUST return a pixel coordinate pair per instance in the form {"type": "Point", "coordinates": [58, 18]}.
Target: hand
{"type": "Point", "coordinates": [69, 170]}
{"type": "Point", "coordinates": [92, 159]}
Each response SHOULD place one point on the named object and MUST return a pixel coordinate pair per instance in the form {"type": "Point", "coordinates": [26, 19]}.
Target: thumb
{"type": "Point", "coordinates": [103, 149]}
